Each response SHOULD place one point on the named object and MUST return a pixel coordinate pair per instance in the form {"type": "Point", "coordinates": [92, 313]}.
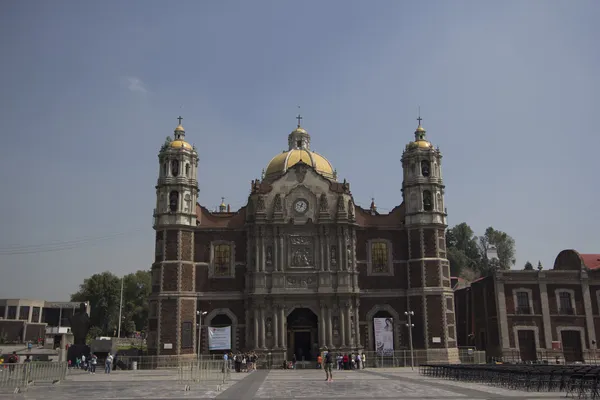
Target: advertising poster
{"type": "Point", "coordinates": [219, 338]}
{"type": "Point", "coordinates": [384, 336]}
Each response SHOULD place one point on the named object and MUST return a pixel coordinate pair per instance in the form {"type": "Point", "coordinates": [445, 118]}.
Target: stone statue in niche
{"type": "Point", "coordinates": [333, 255]}
{"type": "Point", "coordinates": [260, 204]}
{"type": "Point", "coordinates": [269, 327]}
{"type": "Point", "coordinates": [336, 326]}
{"type": "Point", "coordinates": [349, 255]}
{"type": "Point", "coordinates": [352, 327]}
{"type": "Point", "coordinates": [323, 203]}
{"type": "Point", "coordinates": [300, 173]}
{"type": "Point", "coordinates": [350, 210]}
{"type": "Point", "coordinates": [340, 205]}
{"type": "Point", "coordinates": [277, 207]}
{"type": "Point", "coordinates": [269, 255]}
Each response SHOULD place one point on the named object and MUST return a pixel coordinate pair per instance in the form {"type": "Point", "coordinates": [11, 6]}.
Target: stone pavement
{"type": "Point", "coordinates": [373, 384]}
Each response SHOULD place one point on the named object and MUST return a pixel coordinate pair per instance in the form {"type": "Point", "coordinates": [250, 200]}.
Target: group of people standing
{"type": "Point", "coordinates": [242, 362]}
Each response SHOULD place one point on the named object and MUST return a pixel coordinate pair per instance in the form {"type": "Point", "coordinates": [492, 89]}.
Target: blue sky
{"type": "Point", "coordinates": [509, 91]}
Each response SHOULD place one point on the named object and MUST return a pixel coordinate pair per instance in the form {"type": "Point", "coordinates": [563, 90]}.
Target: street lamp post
{"type": "Point", "coordinates": [410, 325]}
{"type": "Point", "coordinates": [200, 314]}
{"type": "Point", "coordinates": [120, 307]}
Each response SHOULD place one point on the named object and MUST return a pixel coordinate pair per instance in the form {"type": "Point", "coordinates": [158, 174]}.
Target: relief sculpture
{"type": "Point", "coordinates": [301, 282]}
{"type": "Point", "coordinates": [301, 257]}
{"type": "Point", "coordinates": [301, 240]}
{"type": "Point", "coordinates": [333, 255]}
{"type": "Point", "coordinates": [269, 255]}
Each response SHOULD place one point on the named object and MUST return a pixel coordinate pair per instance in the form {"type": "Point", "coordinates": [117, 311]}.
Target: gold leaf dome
{"type": "Point", "coordinates": [284, 161]}
{"type": "Point", "coordinates": [181, 144]}
{"type": "Point", "coordinates": [179, 128]}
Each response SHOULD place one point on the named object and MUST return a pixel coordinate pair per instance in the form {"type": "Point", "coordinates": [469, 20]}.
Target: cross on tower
{"type": "Point", "coordinates": [419, 119]}
{"type": "Point", "coordinates": [179, 118]}
{"type": "Point", "coordinates": [299, 117]}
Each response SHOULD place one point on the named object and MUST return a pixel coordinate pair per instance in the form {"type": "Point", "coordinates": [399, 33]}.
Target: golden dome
{"type": "Point", "coordinates": [179, 128]}
{"type": "Point", "coordinates": [299, 130]}
{"type": "Point", "coordinates": [181, 144]}
{"type": "Point", "coordinates": [284, 161]}
{"type": "Point", "coordinates": [420, 129]}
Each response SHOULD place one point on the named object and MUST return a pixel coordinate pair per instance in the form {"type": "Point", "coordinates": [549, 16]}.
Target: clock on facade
{"type": "Point", "coordinates": [301, 206]}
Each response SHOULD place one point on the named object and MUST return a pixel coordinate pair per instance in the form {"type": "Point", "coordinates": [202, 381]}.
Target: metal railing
{"type": "Point", "coordinates": [402, 358]}
{"type": "Point", "coordinates": [204, 372]}
{"type": "Point", "coordinates": [17, 377]}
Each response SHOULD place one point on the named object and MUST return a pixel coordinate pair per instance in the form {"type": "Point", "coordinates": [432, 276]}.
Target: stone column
{"type": "Point", "coordinates": [343, 326]}
{"type": "Point", "coordinates": [275, 250]}
{"type": "Point", "coordinates": [327, 250]}
{"type": "Point", "coordinates": [340, 250]}
{"type": "Point", "coordinates": [348, 325]}
{"type": "Point", "coordinates": [322, 242]}
{"type": "Point", "coordinates": [330, 327]}
{"type": "Point", "coordinates": [322, 336]}
{"type": "Point", "coordinates": [502, 319]}
{"type": "Point", "coordinates": [587, 307]}
{"type": "Point", "coordinates": [346, 241]}
{"type": "Point", "coordinates": [282, 327]}
{"type": "Point", "coordinates": [546, 315]}
{"type": "Point", "coordinates": [281, 253]}
{"type": "Point", "coordinates": [356, 325]}
{"type": "Point", "coordinates": [263, 335]}
{"type": "Point", "coordinates": [256, 318]}
{"type": "Point", "coordinates": [262, 253]}
{"type": "Point", "coordinates": [275, 327]}
{"type": "Point", "coordinates": [257, 250]}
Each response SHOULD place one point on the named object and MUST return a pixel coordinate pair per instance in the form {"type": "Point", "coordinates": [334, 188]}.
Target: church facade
{"type": "Point", "coordinates": [301, 267]}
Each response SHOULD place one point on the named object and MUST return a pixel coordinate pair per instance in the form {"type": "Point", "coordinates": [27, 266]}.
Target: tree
{"type": "Point", "coordinates": [462, 250]}
{"type": "Point", "coordinates": [504, 246]}
{"type": "Point", "coordinates": [103, 291]}
{"type": "Point", "coordinates": [528, 266]}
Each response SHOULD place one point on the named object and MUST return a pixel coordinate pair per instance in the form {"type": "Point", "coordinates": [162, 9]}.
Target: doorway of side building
{"type": "Point", "coordinates": [302, 335]}
{"type": "Point", "coordinates": [572, 348]}
{"type": "Point", "coordinates": [527, 347]}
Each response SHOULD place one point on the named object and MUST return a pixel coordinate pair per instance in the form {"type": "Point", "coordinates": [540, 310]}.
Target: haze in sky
{"type": "Point", "coordinates": [509, 91]}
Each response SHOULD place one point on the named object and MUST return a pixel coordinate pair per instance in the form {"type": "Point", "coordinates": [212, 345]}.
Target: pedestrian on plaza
{"type": "Point", "coordinates": [328, 366]}
{"type": "Point", "coordinates": [12, 360]}
{"type": "Point", "coordinates": [294, 359]}
{"type": "Point", "coordinates": [364, 361]}
{"type": "Point", "coordinates": [108, 364]}
{"type": "Point", "coordinates": [93, 363]}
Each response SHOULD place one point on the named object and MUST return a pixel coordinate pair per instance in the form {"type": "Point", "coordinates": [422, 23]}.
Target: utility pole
{"type": "Point", "coordinates": [120, 307]}
{"type": "Point", "coordinates": [200, 315]}
{"type": "Point", "coordinates": [410, 326]}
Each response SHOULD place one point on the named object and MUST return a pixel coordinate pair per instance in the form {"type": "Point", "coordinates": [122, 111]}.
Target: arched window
{"type": "Point", "coordinates": [164, 169]}
{"type": "Point", "coordinates": [222, 260]}
{"type": "Point", "coordinates": [187, 170]}
{"type": "Point", "coordinates": [173, 201]}
{"type": "Point", "coordinates": [175, 168]}
{"type": "Point", "coordinates": [427, 201]}
{"type": "Point", "coordinates": [425, 168]}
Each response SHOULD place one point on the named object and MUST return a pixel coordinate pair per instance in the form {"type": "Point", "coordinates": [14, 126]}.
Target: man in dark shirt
{"type": "Point", "coordinates": [328, 366]}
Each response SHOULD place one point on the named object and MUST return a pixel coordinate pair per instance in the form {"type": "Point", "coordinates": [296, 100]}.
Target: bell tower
{"type": "Point", "coordinates": [172, 304]}
{"type": "Point", "coordinates": [430, 296]}
{"type": "Point", "coordinates": [177, 186]}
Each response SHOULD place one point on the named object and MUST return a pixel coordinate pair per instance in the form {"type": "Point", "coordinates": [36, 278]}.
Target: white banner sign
{"type": "Point", "coordinates": [219, 338]}
{"type": "Point", "coordinates": [384, 336]}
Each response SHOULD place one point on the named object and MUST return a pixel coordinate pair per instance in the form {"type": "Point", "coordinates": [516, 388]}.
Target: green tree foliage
{"type": "Point", "coordinates": [462, 249]}
{"type": "Point", "coordinates": [103, 291]}
{"type": "Point", "coordinates": [502, 244]}
{"type": "Point", "coordinates": [528, 266]}
{"type": "Point", "coordinates": [470, 255]}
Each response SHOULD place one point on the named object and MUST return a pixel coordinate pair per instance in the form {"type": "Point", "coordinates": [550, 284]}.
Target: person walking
{"type": "Point", "coordinates": [108, 364]}
{"type": "Point", "coordinates": [328, 366]}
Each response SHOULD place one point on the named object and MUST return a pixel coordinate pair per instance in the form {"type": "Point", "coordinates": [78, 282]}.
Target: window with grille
{"type": "Point", "coordinates": [35, 315]}
{"type": "Point", "coordinates": [565, 304]}
{"type": "Point", "coordinates": [222, 260]}
{"type": "Point", "coordinates": [523, 303]}
{"type": "Point", "coordinates": [379, 257]}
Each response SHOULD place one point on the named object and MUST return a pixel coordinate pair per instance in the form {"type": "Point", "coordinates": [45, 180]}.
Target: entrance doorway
{"type": "Point", "coordinates": [572, 349]}
{"type": "Point", "coordinates": [527, 345]}
{"type": "Point", "coordinates": [302, 335]}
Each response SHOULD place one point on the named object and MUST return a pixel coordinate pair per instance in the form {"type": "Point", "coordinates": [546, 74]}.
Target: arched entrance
{"type": "Point", "coordinates": [221, 321]}
{"type": "Point", "coordinates": [302, 334]}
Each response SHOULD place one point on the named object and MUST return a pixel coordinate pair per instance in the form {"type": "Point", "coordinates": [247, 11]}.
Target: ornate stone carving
{"type": "Point", "coordinates": [336, 326]}
{"type": "Point", "coordinates": [350, 210]}
{"type": "Point", "coordinates": [300, 282]}
{"type": "Point", "coordinates": [333, 255]}
{"type": "Point", "coordinates": [260, 204]}
{"type": "Point", "coordinates": [300, 173]}
{"type": "Point", "coordinates": [323, 203]}
{"type": "Point", "coordinates": [352, 327]}
{"type": "Point", "coordinates": [340, 204]}
{"type": "Point", "coordinates": [301, 240]}
{"type": "Point", "coordinates": [349, 254]}
{"type": "Point", "coordinates": [301, 257]}
{"type": "Point", "coordinates": [269, 255]}
{"type": "Point", "coordinates": [277, 207]}
{"type": "Point", "coordinates": [269, 326]}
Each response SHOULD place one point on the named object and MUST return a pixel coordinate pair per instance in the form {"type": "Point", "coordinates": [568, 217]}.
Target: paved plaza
{"type": "Point", "coordinates": [373, 384]}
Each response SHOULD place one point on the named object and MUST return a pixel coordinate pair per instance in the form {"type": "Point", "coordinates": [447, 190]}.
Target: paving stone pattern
{"type": "Point", "coordinates": [372, 384]}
